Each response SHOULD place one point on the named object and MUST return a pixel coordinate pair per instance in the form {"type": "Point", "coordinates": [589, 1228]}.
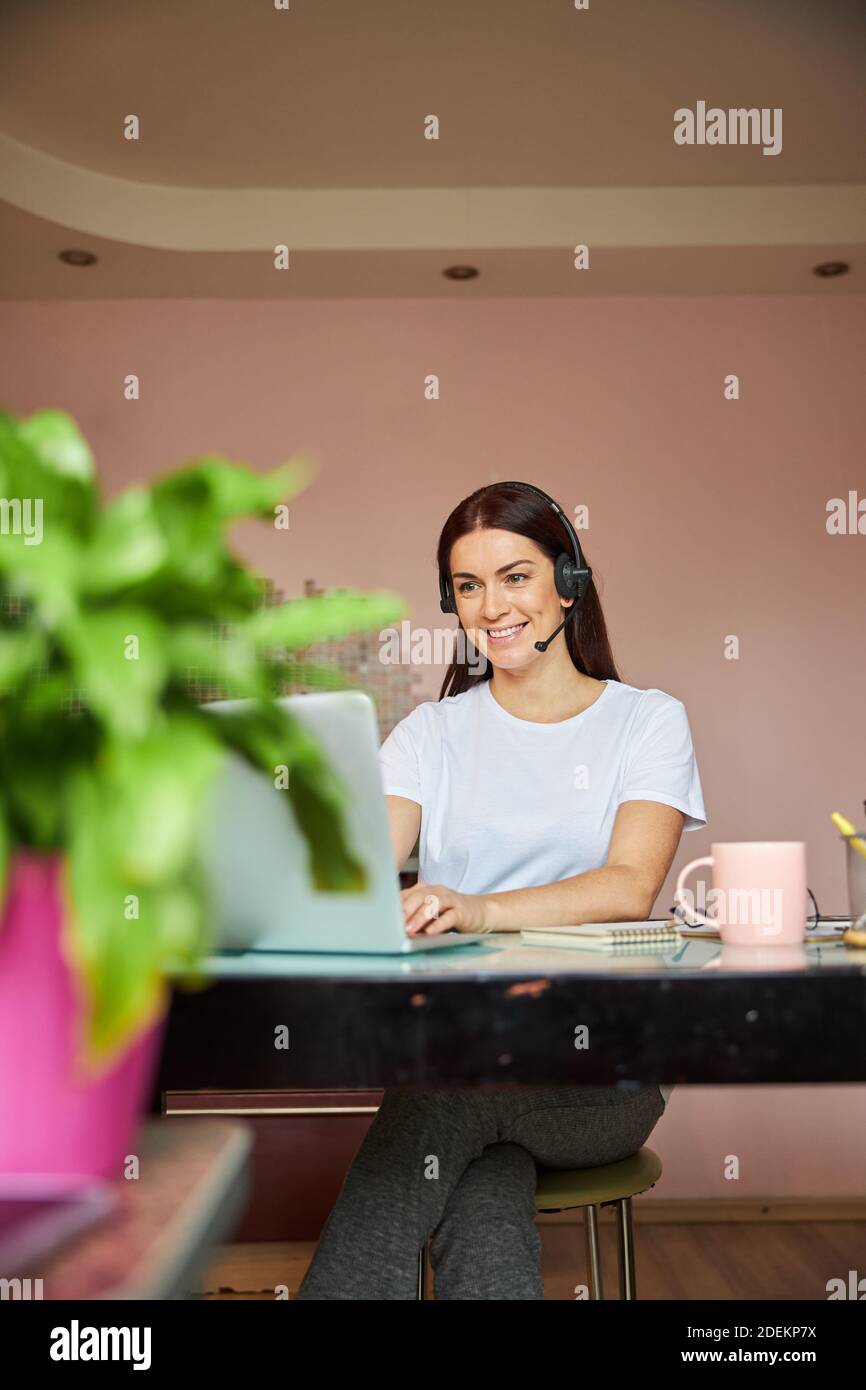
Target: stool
{"type": "Point", "coordinates": [561, 1189]}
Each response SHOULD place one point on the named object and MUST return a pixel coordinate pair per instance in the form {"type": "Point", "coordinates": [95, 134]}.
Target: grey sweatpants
{"type": "Point", "coordinates": [460, 1166]}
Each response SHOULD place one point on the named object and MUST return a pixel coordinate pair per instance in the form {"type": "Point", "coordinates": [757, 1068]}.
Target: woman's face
{"type": "Point", "coordinates": [502, 581]}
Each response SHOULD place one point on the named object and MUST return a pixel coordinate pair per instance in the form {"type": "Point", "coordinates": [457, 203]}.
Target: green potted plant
{"type": "Point", "coordinates": [106, 758]}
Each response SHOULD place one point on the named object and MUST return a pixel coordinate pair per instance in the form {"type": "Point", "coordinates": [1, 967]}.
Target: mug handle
{"type": "Point", "coordinates": [678, 893]}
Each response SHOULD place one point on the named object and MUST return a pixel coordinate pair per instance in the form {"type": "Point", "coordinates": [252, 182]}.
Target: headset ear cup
{"type": "Point", "coordinates": [446, 598]}
{"type": "Point", "coordinates": [566, 576]}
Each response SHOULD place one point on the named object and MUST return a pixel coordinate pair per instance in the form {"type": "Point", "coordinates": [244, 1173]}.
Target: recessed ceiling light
{"type": "Point", "coordinates": [461, 272]}
{"type": "Point", "coordinates": [77, 257]}
{"type": "Point", "coordinates": [828, 268]}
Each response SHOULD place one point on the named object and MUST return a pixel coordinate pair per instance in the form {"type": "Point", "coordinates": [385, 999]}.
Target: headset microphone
{"type": "Point", "coordinates": [542, 646]}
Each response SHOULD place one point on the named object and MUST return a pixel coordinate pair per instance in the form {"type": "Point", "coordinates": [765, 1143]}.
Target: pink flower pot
{"type": "Point", "coordinates": [53, 1120]}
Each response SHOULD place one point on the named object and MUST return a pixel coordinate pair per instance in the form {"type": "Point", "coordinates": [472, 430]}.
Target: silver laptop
{"type": "Point", "coordinates": [256, 859]}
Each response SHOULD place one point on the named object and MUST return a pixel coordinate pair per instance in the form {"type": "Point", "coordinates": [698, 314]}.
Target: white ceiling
{"type": "Point", "coordinates": [305, 127]}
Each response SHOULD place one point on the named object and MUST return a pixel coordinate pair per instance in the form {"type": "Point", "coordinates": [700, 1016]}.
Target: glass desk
{"type": "Point", "coordinates": [502, 1012]}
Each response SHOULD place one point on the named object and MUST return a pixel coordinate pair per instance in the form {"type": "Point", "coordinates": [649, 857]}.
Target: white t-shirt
{"type": "Point", "coordinates": [509, 803]}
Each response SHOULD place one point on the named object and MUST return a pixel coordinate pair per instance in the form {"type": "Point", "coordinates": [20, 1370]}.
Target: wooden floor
{"type": "Point", "coordinates": [705, 1260]}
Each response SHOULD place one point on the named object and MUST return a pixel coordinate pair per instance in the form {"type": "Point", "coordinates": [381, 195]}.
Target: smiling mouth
{"type": "Point", "coordinates": [505, 634]}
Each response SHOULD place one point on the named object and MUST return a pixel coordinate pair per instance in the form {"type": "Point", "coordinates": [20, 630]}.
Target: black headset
{"type": "Point", "coordinates": [572, 575]}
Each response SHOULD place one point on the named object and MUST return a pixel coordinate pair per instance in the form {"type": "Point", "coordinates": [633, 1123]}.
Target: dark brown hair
{"type": "Point", "coordinates": [512, 509]}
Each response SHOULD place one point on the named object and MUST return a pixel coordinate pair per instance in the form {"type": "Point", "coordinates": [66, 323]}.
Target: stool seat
{"type": "Point", "coordinates": [561, 1188]}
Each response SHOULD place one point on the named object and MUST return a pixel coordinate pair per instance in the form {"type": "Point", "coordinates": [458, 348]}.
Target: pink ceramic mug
{"type": "Point", "coordinates": [759, 890]}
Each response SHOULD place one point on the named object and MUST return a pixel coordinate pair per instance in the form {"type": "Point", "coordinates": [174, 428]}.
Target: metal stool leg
{"type": "Point", "coordinates": [421, 1292]}
{"type": "Point", "coordinates": [625, 1248]}
{"type": "Point", "coordinates": [593, 1254]}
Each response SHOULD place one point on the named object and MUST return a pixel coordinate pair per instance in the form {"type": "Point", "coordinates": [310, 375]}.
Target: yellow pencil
{"type": "Point", "coordinates": [842, 823]}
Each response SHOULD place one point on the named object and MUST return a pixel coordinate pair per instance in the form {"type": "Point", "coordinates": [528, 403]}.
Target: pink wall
{"type": "Point", "coordinates": [707, 518]}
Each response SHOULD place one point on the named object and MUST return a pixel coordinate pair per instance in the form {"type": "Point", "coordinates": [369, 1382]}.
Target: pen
{"type": "Point", "coordinates": [842, 823]}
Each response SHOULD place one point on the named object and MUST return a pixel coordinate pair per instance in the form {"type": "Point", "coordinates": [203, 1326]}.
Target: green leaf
{"type": "Point", "coordinates": [228, 662]}
{"type": "Point", "coordinates": [116, 958]}
{"type": "Point", "coordinates": [43, 469]}
{"type": "Point", "coordinates": [179, 595]}
{"type": "Point", "coordinates": [201, 577]}
{"type": "Point", "coordinates": [137, 902]}
{"type": "Point", "coordinates": [228, 490]}
{"type": "Point", "coordinates": [47, 573]}
{"type": "Point", "coordinates": [59, 444]}
{"type": "Point", "coordinates": [5, 858]}
{"type": "Point", "coordinates": [119, 659]}
{"type": "Point", "coordinates": [20, 651]}
{"type": "Point", "coordinates": [185, 926]}
{"type": "Point", "coordinates": [31, 792]}
{"type": "Point", "coordinates": [128, 545]}
{"type": "Point", "coordinates": [154, 792]}
{"type": "Point", "coordinates": [41, 740]}
{"type": "Point", "coordinates": [301, 622]}
{"type": "Point", "coordinates": [198, 553]}
{"type": "Point", "coordinates": [195, 504]}
{"type": "Point", "coordinates": [269, 738]}
{"type": "Point", "coordinates": [333, 867]}
{"type": "Point", "coordinates": [312, 674]}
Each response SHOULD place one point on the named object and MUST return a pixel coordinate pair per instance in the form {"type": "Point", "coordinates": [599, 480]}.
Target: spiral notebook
{"type": "Point", "coordinates": [603, 936]}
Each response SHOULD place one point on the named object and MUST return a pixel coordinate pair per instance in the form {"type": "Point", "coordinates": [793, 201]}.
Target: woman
{"type": "Point", "coordinates": [546, 792]}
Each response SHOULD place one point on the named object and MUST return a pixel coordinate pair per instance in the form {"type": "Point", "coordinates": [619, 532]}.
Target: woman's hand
{"type": "Point", "coordinates": [429, 909]}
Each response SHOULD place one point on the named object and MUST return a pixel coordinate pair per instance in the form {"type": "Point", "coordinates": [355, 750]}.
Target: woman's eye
{"type": "Point", "coordinates": [469, 584]}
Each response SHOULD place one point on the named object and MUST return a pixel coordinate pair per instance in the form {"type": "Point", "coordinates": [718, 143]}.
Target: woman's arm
{"type": "Point", "coordinates": [404, 822]}
{"type": "Point", "coordinates": [642, 847]}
